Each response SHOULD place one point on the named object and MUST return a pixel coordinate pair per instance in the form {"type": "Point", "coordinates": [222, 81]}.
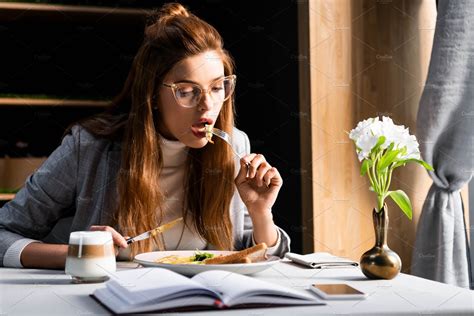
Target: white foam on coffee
{"type": "Point", "coordinates": [90, 238]}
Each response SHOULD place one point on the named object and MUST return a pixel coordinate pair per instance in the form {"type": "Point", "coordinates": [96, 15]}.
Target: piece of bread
{"type": "Point", "coordinates": [254, 254]}
{"type": "Point", "coordinates": [242, 260]}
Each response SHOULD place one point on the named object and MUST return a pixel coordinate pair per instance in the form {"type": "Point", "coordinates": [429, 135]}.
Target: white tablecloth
{"type": "Point", "coordinates": [50, 292]}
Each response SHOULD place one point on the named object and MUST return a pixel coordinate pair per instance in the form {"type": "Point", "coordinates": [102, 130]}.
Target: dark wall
{"type": "Point", "coordinates": [262, 37]}
{"type": "Point", "coordinates": [90, 59]}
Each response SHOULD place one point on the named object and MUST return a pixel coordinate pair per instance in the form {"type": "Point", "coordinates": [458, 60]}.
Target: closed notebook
{"type": "Point", "coordinates": [157, 289]}
{"type": "Point", "coordinates": [320, 260]}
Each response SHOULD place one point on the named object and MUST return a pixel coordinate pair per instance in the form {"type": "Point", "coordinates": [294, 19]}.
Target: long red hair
{"type": "Point", "coordinates": [172, 34]}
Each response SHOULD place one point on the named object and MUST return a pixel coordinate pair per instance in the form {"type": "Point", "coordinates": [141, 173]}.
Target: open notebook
{"type": "Point", "coordinates": [157, 289]}
{"type": "Point", "coordinates": [320, 260]}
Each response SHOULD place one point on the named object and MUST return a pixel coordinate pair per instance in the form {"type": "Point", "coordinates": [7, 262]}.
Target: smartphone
{"type": "Point", "coordinates": [338, 292]}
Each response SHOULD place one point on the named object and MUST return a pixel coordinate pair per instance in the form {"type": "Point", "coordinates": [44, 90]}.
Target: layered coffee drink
{"type": "Point", "coordinates": [91, 256]}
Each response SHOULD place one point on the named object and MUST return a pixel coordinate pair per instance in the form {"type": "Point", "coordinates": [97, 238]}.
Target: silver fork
{"type": "Point", "coordinates": [226, 137]}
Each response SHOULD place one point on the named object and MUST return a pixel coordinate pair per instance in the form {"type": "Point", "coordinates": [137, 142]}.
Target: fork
{"type": "Point", "coordinates": [225, 137]}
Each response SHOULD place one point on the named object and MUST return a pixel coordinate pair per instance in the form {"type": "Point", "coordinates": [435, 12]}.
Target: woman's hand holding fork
{"type": "Point", "coordinates": [258, 184]}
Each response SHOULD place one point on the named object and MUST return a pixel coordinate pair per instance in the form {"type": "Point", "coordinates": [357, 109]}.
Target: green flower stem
{"type": "Point", "coordinates": [380, 199]}
{"type": "Point", "coordinates": [370, 178]}
{"type": "Point", "coordinates": [389, 178]}
{"type": "Point", "coordinates": [383, 180]}
{"type": "Point", "coordinates": [384, 187]}
{"type": "Point", "coordinates": [380, 181]}
{"type": "Point", "coordinates": [374, 174]}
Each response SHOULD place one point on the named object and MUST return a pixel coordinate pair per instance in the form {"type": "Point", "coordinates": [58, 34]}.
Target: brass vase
{"type": "Point", "coordinates": [380, 262]}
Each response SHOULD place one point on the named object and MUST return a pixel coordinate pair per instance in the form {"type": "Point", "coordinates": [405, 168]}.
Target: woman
{"type": "Point", "coordinates": [146, 161]}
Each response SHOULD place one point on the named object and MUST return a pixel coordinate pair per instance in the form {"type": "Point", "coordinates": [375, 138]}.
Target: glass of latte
{"type": "Point", "coordinates": [91, 256]}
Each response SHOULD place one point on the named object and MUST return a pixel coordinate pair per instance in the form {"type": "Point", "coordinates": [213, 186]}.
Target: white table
{"type": "Point", "coordinates": [50, 292]}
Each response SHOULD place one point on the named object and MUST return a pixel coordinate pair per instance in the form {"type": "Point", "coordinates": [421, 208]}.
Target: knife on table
{"type": "Point", "coordinates": [154, 231]}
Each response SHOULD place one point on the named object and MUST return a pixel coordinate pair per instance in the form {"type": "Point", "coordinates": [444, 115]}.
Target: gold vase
{"type": "Point", "coordinates": [380, 262]}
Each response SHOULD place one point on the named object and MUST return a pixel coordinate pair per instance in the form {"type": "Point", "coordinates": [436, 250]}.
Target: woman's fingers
{"type": "Point", "coordinates": [242, 175]}
{"type": "Point", "coordinates": [255, 163]}
{"type": "Point", "coordinates": [254, 166]}
{"type": "Point", "coordinates": [272, 176]}
{"type": "Point", "coordinates": [262, 171]}
{"type": "Point", "coordinates": [258, 169]}
{"type": "Point", "coordinates": [118, 239]}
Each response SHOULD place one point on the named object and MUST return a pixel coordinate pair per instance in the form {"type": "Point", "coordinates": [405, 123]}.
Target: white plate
{"type": "Point", "coordinates": [148, 259]}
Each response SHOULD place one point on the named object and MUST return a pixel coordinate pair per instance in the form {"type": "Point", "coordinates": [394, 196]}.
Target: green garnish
{"type": "Point", "coordinates": [201, 256]}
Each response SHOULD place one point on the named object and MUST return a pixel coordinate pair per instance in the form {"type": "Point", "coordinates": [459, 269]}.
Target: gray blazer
{"type": "Point", "coordinates": [76, 188]}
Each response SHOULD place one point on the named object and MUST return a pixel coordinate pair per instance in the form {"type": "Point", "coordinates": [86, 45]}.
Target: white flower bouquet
{"type": "Point", "coordinates": [383, 146]}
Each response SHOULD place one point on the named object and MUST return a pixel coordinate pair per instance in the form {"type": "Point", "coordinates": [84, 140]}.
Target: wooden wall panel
{"type": "Point", "coordinates": [366, 58]}
{"type": "Point", "coordinates": [14, 171]}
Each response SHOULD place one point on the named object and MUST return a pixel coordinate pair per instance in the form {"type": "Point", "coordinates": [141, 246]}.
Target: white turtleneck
{"type": "Point", "coordinates": [172, 186]}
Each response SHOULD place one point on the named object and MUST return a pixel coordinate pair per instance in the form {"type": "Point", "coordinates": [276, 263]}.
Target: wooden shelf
{"type": "Point", "coordinates": [7, 196]}
{"type": "Point", "coordinates": [51, 102]}
{"type": "Point", "coordinates": [15, 11]}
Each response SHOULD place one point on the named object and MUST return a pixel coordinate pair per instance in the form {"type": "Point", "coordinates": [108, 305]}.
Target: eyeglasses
{"type": "Point", "coordinates": [189, 95]}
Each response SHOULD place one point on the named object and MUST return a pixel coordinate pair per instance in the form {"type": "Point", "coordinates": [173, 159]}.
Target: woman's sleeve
{"type": "Point", "coordinates": [283, 243]}
{"type": "Point", "coordinates": [48, 195]}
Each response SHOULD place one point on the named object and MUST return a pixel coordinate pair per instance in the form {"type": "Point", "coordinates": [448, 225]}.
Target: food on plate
{"type": "Point", "coordinates": [176, 260]}
{"type": "Point", "coordinates": [254, 254]}
{"type": "Point", "coordinates": [208, 129]}
{"type": "Point", "coordinates": [201, 255]}
{"type": "Point", "coordinates": [243, 260]}
{"type": "Point", "coordinates": [198, 258]}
